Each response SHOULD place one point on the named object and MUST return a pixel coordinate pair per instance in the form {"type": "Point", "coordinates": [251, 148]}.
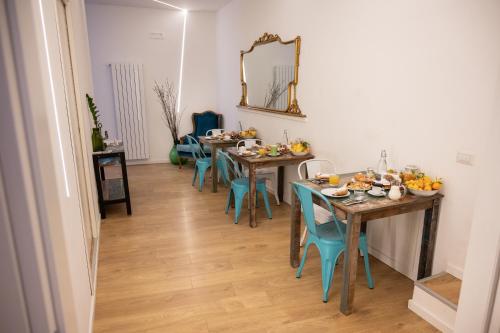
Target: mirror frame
{"type": "Point", "coordinates": [293, 105]}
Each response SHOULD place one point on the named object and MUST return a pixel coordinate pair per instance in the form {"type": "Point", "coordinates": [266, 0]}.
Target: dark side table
{"type": "Point", "coordinates": [113, 190]}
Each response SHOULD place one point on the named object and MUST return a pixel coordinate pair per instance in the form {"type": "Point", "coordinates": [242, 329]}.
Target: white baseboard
{"type": "Point", "coordinates": [456, 271]}
{"type": "Point", "coordinates": [429, 317]}
{"type": "Point", "coordinates": [149, 161]}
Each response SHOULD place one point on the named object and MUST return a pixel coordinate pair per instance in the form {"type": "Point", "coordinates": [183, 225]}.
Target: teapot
{"type": "Point", "coordinates": [397, 191]}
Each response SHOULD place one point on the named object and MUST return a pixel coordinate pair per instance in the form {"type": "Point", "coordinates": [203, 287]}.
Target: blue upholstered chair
{"type": "Point", "coordinates": [329, 238]}
{"type": "Point", "coordinates": [202, 122]}
{"type": "Point", "coordinates": [240, 186]}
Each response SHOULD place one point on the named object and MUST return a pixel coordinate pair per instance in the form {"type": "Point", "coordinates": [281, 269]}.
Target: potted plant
{"type": "Point", "coordinates": [97, 139]}
{"type": "Point", "coordinates": [167, 97]}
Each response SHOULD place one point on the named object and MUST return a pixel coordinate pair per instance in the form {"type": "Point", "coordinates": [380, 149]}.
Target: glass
{"type": "Point", "coordinates": [334, 180]}
{"type": "Point", "coordinates": [358, 195]}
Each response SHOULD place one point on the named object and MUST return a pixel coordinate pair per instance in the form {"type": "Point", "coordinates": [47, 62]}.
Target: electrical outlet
{"type": "Point", "coordinates": [464, 158]}
{"type": "Point", "coordinates": [156, 35]}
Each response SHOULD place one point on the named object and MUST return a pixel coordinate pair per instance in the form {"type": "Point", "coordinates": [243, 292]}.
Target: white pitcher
{"type": "Point", "coordinates": [397, 192]}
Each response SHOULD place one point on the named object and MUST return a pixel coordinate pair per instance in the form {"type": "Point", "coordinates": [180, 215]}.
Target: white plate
{"type": "Point", "coordinates": [330, 192]}
{"type": "Point", "coordinates": [380, 194]}
{"type": "Point", "coordinates": [247, 155]}
{"type": "Point", "coordinates": [273, 155]}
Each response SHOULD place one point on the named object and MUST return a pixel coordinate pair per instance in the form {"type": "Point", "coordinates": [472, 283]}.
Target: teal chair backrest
{"type": "Point", "coordinates": [230, 166]}
{"type": "Point", "coordinates": [195, 148]}
{"type": "Point", "coordinates": [305, 194]}
{"type": "Point", "coordinates": [205, 121]}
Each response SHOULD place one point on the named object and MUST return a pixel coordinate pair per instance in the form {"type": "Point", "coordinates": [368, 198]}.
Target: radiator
{"type": "Point", "coordinates": [283, 75]}
{"type": "Point", "coordinates": [130, 111]}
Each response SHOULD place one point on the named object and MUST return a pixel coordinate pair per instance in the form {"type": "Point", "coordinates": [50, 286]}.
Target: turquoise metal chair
{"type": "Point", "coordinates": [202, 161]}
{"type": "Point", "coordinates": [240, 186]}
{"type": "Point", "coordinates": [329, 238]}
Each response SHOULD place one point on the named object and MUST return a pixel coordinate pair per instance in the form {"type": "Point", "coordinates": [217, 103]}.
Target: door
{"type": "Point", "coordinates": [77, 126]}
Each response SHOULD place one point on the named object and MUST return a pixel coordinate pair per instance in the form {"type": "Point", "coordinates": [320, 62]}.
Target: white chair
{"type": "Point", "coordinates": [308, 169]}
{"type": "Point", "coordinates": [264, 173]}
{"type": "Point", "coordinates": [216, 131]}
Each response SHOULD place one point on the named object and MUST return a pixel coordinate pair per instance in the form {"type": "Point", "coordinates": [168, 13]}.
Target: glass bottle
{"type": "Point", "coordinates": [382, 163]}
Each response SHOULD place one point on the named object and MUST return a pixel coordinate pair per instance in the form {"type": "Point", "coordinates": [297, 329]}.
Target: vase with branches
{"type": "Point", "coordinates": [167, 97]}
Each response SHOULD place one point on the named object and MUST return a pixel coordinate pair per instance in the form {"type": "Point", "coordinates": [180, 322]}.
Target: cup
{"type": "Point", "coordinates": [334, 180]}
{"type": "Point", "coordinates": [358, 195]}
{"type": "Point", "coordinates": [377, 190]}
{"type": "Point", "coordinates": [273, 150]}
{"type": "Point", "coordinates": [250, 143]}
{"type": "Point", "coordinates": [216, 132]}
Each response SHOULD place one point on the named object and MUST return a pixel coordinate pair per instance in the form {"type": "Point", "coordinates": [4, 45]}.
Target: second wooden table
{"type": "Point", "coordinates": [253, 163]}
{"type": "Point", "coordinates": [214, 145]}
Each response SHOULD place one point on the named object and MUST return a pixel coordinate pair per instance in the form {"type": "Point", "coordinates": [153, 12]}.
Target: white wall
{"type": "Point", "coordinates": [413, 77]}
{"type": "Point", "coordinates": [122, 34]}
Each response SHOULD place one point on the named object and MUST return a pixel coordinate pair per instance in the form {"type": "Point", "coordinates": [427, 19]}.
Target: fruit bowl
{"type": "Point", "coordinates": [299, 153]}
{"type": "Point", "coordinates": [422, 193]}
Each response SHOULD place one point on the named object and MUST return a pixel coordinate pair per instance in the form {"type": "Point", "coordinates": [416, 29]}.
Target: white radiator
{"type": "Point", "coordinates": [283, 75]}
{"type": "Point", "coordinates": [130, 110]}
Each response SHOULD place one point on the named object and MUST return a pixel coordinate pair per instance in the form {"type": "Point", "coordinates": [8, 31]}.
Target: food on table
{"type": "Point", "coordinates": [342, 191]}
{"type": "Point", "coordinates": [320, 175]}
{"type": "Point", "coordinates": [300, 147]}
{"type": "Point", "coordinates": [262, 151]}
{"type": "Point", "coordinates": [247, 153]}
{"type": "Point", "coordinates": [250, 133]}
{"type": "Point", "coordinates": [359, 186]}
{"type": "Point", "coordinates": [360, 177]}
{"type": "Point", "coordinates": [422, 182]}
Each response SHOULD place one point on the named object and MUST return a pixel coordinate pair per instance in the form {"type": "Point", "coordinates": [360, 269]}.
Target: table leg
{"type": "Point", "coordinates": [251, 195]}
{"type": "Point", "coordinates": [281, 182]}
{"type": "Point", "coordinates": [213, 149]}
{"type": "Point", "coordinates": [350, 263]}
{"type": "Point", "coordinates": [125, 183]}
{"type": "Point", "coordinates": [295, 231]}
{"type": "Point", "coordinates": [429, 233]}
{"type": "Point", "coordinates": [97, 175]}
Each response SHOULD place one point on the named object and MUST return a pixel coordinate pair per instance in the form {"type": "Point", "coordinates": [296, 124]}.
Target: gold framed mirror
{"type": "Point", "coordinates": [269, 73]}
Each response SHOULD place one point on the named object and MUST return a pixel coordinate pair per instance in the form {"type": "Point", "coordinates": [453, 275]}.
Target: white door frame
{"type": "Point", "coordinates": [37, 166]}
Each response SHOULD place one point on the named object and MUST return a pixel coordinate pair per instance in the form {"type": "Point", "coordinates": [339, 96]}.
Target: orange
{"type": "Point", "coordinates": [436, 186]}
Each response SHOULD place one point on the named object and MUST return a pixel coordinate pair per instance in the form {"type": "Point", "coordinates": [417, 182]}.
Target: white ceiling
{"type": "Point", "coordinates": [191, 5]}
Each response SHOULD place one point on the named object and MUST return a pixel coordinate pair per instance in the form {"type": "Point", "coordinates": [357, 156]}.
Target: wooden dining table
{"type": "Point", "coordinates": [214, 145]}
{"type": "Point", "coordinates": [357, 215]}
{"type": "Point", "coordinates": [255, 162]}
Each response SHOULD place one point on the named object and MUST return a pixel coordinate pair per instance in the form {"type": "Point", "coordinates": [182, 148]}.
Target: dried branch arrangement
{"type": "Point", "coordinates": [167, 96]}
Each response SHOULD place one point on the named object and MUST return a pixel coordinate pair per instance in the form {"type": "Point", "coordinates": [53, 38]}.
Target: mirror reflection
{"type": "Point", "coordinates": [269, 74]}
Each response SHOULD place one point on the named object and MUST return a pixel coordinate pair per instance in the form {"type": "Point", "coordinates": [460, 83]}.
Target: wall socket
{"type": "Point", "coordinates": [465, 158]}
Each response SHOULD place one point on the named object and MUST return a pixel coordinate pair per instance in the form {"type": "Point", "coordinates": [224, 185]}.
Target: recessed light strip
{"type": "Point", "coordinates": [53, 94]}
{"type": "Point", "coordinates": [169, 5]}
{"type": "Point", "coordinates": [181, 70]}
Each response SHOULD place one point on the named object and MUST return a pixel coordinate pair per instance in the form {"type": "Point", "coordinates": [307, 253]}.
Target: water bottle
{"type": "Point", "coordinates": [382, 163]}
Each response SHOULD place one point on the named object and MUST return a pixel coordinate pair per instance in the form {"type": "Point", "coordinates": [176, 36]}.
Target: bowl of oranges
{"type": "Point", "coordinates": [300, 148]}
{"type": "Point", "coordinates": [424, 185]}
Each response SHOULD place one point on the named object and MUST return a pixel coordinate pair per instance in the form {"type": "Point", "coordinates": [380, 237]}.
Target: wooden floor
{"type": "Point", "coordinates": [179, 264]}
{"type": "Point", "coordinates": [446, 286]}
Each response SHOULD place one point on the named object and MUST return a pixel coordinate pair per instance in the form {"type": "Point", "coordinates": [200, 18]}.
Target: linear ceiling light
{"type": "Point", "coordinates": [181, 69]}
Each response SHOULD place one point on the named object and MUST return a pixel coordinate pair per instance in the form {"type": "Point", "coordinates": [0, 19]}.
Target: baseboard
{"type": "Point", "coordinates": [455, 271]}
{"type": "Point", "coordinates": [149, 161]}
{"type": "Point", "coordinates": [429, 317]}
